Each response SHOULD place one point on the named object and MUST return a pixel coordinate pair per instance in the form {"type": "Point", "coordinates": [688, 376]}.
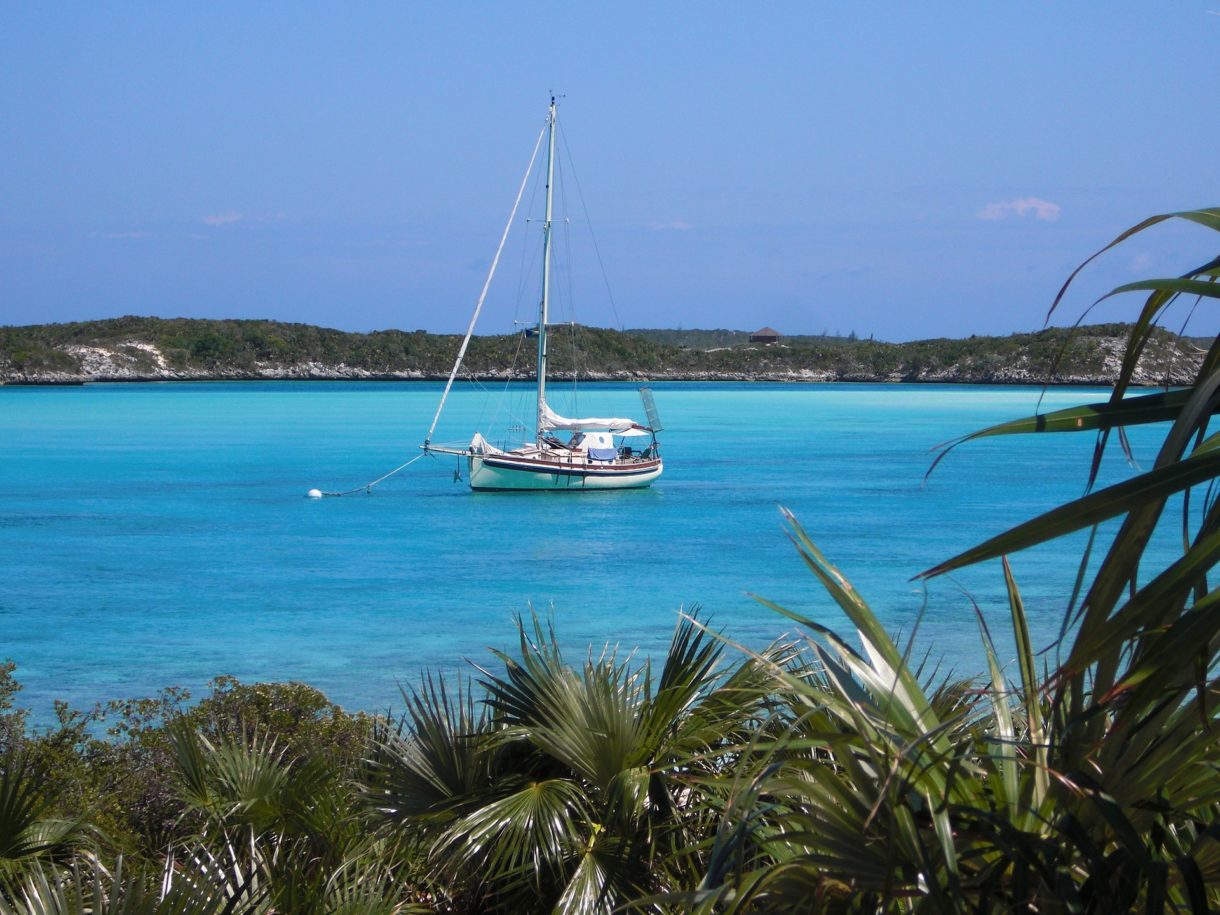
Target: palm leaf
{"type": "Point", "coordinates": [1030, 690]}
{"type": "Point", "coordinates": [434, 759]}
{"type": "Point", "coordinates": [1207, 217]}
{"type": "Point", "coordinates": [26, 830]}
{"type": "Point", "coordinates": [532, 832]}
{"type": "Point", "coordinates": [1153, 487]}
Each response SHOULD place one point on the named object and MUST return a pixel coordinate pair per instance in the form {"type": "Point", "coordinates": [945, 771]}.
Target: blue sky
{"type": "Point", "coordinates": [903, 170]}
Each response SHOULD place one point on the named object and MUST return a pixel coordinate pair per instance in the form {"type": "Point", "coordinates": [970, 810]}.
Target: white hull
{"type": "Point", "coordinates": [506, 471]}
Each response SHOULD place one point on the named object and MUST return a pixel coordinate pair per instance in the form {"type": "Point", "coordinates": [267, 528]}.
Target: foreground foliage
{"type": "Point", "coordinates": [1094, 787]}
{"type": "Point", "coordinates": [573, 789]}
{"type": "Point", "coordinates": [813, 777]}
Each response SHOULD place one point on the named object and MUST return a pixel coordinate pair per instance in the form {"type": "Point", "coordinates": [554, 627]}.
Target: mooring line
{"type": "Point", "coordinates": [367, 487]}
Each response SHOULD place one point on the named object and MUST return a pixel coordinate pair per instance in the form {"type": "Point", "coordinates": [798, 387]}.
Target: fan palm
{"type": "Point", "coordinates": [86, 888]}
{"type": "Point", "coordinates": [569, 789]}
{"type": "Point", "coordinates": [294, 827]}
{"type": "Point", "coordinates": [28, 833]}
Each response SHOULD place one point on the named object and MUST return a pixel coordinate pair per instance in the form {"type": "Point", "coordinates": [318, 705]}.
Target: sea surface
{"type": "Point", "coordinates": [159, 534]}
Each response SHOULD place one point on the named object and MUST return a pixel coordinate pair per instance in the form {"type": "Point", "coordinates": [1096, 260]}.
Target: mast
{"type": "Point", "coordinates": [546, 271]}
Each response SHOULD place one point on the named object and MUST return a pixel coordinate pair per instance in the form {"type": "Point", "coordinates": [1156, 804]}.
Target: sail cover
{"type": "Point", "coordinates": [552, 421]}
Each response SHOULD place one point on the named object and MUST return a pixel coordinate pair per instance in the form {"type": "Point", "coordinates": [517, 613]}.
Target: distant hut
{"type": "Point", "coordinates": [765, 335]}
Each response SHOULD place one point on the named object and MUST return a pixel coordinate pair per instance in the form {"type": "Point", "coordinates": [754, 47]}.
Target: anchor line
{"type": "Point", "coordinates": [368, 487]}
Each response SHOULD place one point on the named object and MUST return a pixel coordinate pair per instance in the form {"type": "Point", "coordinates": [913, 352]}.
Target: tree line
{"type": "Point", "coordinates": [255, 348]}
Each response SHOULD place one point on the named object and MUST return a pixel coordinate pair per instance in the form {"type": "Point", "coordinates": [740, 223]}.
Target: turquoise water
{"type": "Point", "coordinates": [158, 534]}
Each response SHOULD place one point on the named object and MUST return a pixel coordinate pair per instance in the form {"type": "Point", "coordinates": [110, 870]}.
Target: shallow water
{"type": "Point", "coordinates": [158, 534]}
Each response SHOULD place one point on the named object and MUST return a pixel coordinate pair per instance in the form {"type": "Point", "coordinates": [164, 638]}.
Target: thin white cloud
{"type": "Point", "coordinates": [121, 235]}
{"type": "Point", "coordinates": [228, 217]}
{"type": "Point", "coordinates": [395, 243]}
{"type": "Point", "coordinates": [674, 225]}
{"type": "Point", "coordinates": [1140, 262]}
{"type": "Point", "coordinates": [1023, 206]}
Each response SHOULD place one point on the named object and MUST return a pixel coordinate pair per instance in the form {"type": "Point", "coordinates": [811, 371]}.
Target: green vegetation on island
{"type": "Point", "coordinates": [133, 348]}
{"type": "Point", "coordinates": [815, 776]}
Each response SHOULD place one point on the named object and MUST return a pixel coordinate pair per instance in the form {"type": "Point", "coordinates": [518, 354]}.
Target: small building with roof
{"type": "Point", "coordinates": [765, 335]}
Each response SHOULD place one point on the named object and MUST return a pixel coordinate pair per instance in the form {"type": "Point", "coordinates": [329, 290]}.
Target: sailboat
{"type": "Point", "coordinates": [566, 454]}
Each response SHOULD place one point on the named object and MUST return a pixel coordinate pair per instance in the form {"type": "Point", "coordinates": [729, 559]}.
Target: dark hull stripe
{"type": "Point", "coordinates": [525, 489]}
{"type": "Point", "coordinates": [569, 470]}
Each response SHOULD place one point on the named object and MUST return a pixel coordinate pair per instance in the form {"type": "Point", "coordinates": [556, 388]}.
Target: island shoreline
{"type": "Point", "coordinates": [146, 350]}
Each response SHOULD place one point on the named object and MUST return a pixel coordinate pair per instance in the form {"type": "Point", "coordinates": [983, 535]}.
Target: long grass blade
{"type": "Point", "coordinates": [1153, 486]}
{"type": "Point", "coordinates": [1030, 687]}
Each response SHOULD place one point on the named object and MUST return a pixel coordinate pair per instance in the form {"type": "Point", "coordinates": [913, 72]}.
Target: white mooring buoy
{"type": "Point", "coordinates": [314, 494]}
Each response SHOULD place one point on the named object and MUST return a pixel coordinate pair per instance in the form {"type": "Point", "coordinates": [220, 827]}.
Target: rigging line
{"type": "Point", "coordinates": [511, 408]}
{"type": "Point", "coordinates": [491, 416]}
{"type": "Point", "coordinates": [483, 295]}
{"type": "Point", "coordinates": [573, 327]}
{"type": "Point", "coordinates": [565, 305]}
{"type": "Point", "coordinates": [563, 138]}
{"type": "Point", "coordinates": [528, 251]}
{"type": "Point", "coordinates": [367, 487]}
{"type": "Point", "coordinates": [501, 392]}
{"type": "Point", "coordinates": [575, 331]}
{"type": "Point", "coordinates": [529, 288]}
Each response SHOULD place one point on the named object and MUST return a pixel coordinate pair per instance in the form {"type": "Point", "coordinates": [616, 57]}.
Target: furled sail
{"type": "Point", "coordinates": [551, 421]}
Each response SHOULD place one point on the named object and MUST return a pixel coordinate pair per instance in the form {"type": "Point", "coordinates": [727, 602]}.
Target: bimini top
{"type": "Point", "coordinates": [551, 421]}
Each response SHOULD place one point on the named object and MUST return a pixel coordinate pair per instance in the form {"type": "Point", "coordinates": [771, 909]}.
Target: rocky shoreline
{"type": "Point", "coordinates": [807, 376]}
{"type": "Point", "coordinates": [123, 350]}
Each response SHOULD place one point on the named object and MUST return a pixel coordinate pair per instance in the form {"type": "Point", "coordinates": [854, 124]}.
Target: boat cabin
{"type": "Point", "coordinates": [598, 445]}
